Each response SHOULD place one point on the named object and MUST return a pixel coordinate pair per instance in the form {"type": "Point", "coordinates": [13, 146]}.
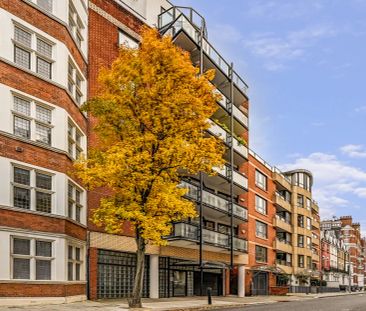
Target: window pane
{"type": "Point", "coordinates": [69, 253]}
{"type": "Point", "coordinates": [21, 127]}
{"type": "Point", "coordinates": [21, 176]}
{"type": "Point", "coordinates": [45, 4]}
{"type": "Point", "coordinates": [77, 272]}
{"type": "Point", "coordinates": [77, 196]}
{"type": "Point", "coordinates": [70, 190]}
{"type": "Point", "coordinates": [44, 248]}
{"type": "Point", "coordinates": [43, 270]}
{"type": "Point", "coordinates": [70, 206]}
{"type": "Point", "coordinates": [125, 39]}
{"type": "Point", "coordinates": [78, 97]}
{"type": "Point", "coordinates": [43, 202]}
{"type": "Point", "coordinates": [43, 68]}
{"type": "Point", "coordinates": [77, 253]}
{"type": "Point", "coordinates": [22, 36]}
{"type": "Point", "coordinates": [70, 273]}
{"type": "Point", "coordinates": [43, 114]}
{"type": "Point", "coordinates": [22, 106]}
{"type": "Point", "coordinates": [44, 48]}
{"type": "Point", "coordinates": [21, 246]}
{"type": "Point", "coordinates": [22, 57]}
{"type": "Point", "coordinates": [21, 268]}
{"type": "Point", "coordinates": [21, 198]}
{"type": "Point", "coordinates": [43, 181]}
{"type": "Point", "coordinates": [77, 213]}
{"type": "Point", "coordinates": [43, 134]}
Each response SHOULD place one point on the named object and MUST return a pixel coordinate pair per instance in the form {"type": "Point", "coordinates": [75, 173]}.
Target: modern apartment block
{"type": "Point", "coordinates": [297, 226]}
{"type": "Point", "coordinates": [43, 70]}
{"type": "Point", "coordinates": [202, 252]}
{"type": "Point", "coordinates": [350, 233]}
{"type": "Point", "coordinates": [283, 229]}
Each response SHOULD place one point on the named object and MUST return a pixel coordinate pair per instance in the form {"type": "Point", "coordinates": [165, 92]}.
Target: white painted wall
{"type": "Point", "coordinates": [60, 117]}
{"type": "Point", "coordinates": [60, 53]}
{"type": "Point", "coordinates": [59, 186]}
{"type": "Point", "coordinates": [60, 10]}
{"type": "Point", "coordinates": [59, 251]}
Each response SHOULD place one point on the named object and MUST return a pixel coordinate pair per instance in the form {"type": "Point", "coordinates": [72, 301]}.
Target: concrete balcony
{"type": "Point", "coordinates": [283, 246]}
{"type": "Point", "coordinates": [215, 201]}
{"type": "Point", "coordinates": [285, 266]}
{"type": "Point", "coordinates": [240, 180]}
{"type": "Point", "coordinates": [187, 235]}
{"type": "Point", "coordinates": [240, 116]}
{"type": "Point", "coordinates": [240, 211]}
{"type": "Point", "coordinates": [315, 257]}
{"type": "Point", "coordinates": [315, 224]}
{"type": "Point", "coordinates": [218, 131]}
{"type": "Point", "coordinates": [240, 148]}
{"type": "Point", "coordinates": [279, 178]}
{"type": "Point", "coordinates": [315, 241]}
{"type": "Point", "coordinates": [280, 200]}
{"type": "Point", "coordinates": [281, 223]}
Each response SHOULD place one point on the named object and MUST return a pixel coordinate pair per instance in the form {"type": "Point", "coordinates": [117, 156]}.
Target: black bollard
{"type": "Point", "coordinates": [209, 297]}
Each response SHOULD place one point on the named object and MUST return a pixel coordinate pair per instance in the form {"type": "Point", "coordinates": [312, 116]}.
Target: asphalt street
{"type": "Point", "coordinates": [342, 303]}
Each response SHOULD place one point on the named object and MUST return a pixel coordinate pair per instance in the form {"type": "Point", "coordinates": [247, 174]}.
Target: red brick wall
{"type": "Point", "coordinates": [23, 220]}
{"type": "Point", "coordinates": [250, 227]}
{"type": "Point", "coordinates": [93, 272]}
{"type": "Point", "coordinates": [41, 290]}
{"type": "Point", "coordinates": [46, 91]}
{"type": "Point", "coordinates": [35, 17]}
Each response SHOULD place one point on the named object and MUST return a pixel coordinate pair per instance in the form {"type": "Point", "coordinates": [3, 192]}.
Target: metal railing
{"type": "Point", "coordinates": [174, 20]}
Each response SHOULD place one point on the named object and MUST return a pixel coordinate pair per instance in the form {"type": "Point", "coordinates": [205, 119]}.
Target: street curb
{"type": "Point", "coordinates": [236, 305]}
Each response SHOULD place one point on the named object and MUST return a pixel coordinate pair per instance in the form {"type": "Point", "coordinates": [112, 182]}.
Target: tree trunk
{"type": "Point", "coordinates": [135, 300]}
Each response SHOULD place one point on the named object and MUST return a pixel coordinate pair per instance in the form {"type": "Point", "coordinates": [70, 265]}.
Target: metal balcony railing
{"type": "Point", "coordinates": [192, 23]}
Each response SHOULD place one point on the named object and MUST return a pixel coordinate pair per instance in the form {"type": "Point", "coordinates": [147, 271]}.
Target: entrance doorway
{"type": "Point", "coordinates": [213, 280]}
{"type": "Point", "coordinates": [260, 283]}
{"type": "Point", "coordinates": [179, 283]}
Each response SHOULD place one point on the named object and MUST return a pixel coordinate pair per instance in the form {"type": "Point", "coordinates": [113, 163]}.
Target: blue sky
{"type": "Point", "coordinates": [305, 63]}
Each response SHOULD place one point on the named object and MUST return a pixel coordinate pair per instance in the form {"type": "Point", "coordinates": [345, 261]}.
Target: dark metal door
{"type": "Point", "coordinates": [260, 283]}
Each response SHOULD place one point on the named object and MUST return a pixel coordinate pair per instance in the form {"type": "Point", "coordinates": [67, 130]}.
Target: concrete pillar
{"type": "Point", "coordinates": [154, 276]}
{"type": "Point", "coordinates": [241, 281]}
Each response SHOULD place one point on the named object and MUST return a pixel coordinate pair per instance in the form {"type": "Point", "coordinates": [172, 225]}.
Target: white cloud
{"type": "Point", "coordinates": [334, 182]}
{"type": "Point", "coordinates": [354, 151]}
{"type": "Point", "coordinates": [277, 51]}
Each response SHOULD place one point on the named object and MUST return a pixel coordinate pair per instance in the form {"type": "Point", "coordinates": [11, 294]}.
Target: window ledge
{"type": "Point", "coordinates": [42, 282]}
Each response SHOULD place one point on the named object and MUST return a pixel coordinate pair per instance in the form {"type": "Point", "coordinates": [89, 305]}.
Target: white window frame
{"type": "Point", "coordinates": [73, 204]}
{"type": "Point", "coordinates": [32, 118]}
{"type": "Point", "coordinates": [260, 205]}
{"type": "Point", "coordinates": [32, 256]}
{"type": "Point", "coordinates": [74, 148]}
{"type": "Point", "coordinates": [260, 180]}
{"type": "Point", "coordinates": [260, 233]}
{"type": "Point", "coordinates": [34, 54]}
{"type": "Point", "coordinates": [33, 188]}
{"type": "Point", "coordinates": [75, 24]}
{"type": "Point", "coordinates": [126, 40]}
{"type": "Point", "coordinates": [75, 82]}
{"type": "Point", "coordinates": [74, 262]}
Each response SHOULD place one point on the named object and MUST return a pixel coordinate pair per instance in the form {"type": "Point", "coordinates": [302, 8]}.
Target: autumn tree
{"type": "Point", "coordinates": [151, 113]}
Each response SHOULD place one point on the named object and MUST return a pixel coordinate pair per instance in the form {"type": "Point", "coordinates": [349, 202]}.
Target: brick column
{"type": "Point", "coordinates": [93, 273]}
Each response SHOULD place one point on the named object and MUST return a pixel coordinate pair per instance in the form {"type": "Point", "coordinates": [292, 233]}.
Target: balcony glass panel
{"type": "Point", "coordinates": [186, 231]}
{"type": "Point", "coordinates": [220, 170]}
{"type": "Point", "coordinates": [218, 131]}
{"type": "Point", "coordinates": [215, 238]}
{"type": "Point", "coordinates": [240, 244]}
{"type": "Point", "coordinates": [223, 99]}
{"type": "Point", "coordinates": [192, 190]}
{"type": "Point", "coordinates": [240, 148]}
{"type": "Point", "coordinates": [240, 115]}
{"type": "Point", "coordinates": [240, 179]}
{"type": "Point", "coordinates": [240, 211]}
{"type": "Point", "coordinates": [215, 201]}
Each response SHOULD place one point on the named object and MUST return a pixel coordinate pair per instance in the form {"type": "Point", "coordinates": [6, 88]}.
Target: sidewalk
{"type": "Point", "coordinates": [184, 303]}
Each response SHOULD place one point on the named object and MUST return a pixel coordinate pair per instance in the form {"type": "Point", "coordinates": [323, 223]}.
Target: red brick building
{"type": "Point", "coordinates": [43, 71]}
